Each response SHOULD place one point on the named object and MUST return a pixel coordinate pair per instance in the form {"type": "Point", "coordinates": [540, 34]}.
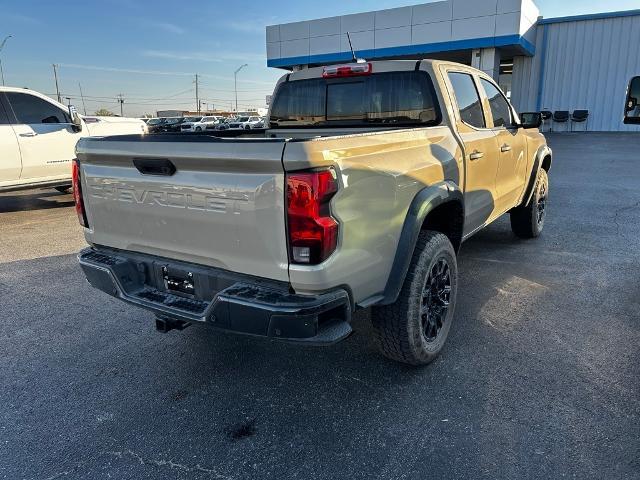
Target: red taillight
{"type": "Point", "coordinates": [77, 193]}
{"type": "Point", "coordinates": [349, 70]}
{"type": "Point", "coordinates": [313, 232]}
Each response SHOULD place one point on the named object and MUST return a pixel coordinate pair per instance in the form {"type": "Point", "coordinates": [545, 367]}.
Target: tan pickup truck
{"type": "Point", "coordinates": [359, 193]}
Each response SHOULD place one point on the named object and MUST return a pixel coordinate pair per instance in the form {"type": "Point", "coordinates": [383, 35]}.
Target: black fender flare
{"type": "Point", "coordinates": [542, 152]}
{"type": "Point", "coordinates": [425, 201]}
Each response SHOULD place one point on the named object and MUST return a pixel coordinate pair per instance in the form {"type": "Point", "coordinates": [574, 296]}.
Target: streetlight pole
{"type": "Point", "coordinates": [55, 76]}
{"type": "Point", "coordinates": [1, 47]}
{"type": "Point", "coordinates": [235, 82]}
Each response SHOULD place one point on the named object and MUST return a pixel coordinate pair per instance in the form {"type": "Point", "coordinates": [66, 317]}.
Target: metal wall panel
{"type": "Point", "coordinates": [587, 65]}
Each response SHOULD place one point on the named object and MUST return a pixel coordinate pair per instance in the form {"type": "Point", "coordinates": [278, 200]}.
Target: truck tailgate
{"type": "Point", "coordinates": [223, 206]}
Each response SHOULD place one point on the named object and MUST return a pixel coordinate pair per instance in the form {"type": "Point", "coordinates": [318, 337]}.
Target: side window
{"type": "Point", "coordinates": [30, 110]}
{"type": "Point", "coordinates": [4, 119]}
{"type": "Point", "coordinates": [499, 106]}
{"type": "Point", "coordinates": [468, 99]}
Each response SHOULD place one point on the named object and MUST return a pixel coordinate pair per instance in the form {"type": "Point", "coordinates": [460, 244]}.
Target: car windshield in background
{"type": "Point", "coordinates": [173, 120]}
{"type": "Point", "coordinates": [155, 121]}
{"type": "Point", "coordinates": [393, 98]}
{"type": "Point", "coordinates": [243, 119]}
{"type": "Point", "coordinates": [192, 119]}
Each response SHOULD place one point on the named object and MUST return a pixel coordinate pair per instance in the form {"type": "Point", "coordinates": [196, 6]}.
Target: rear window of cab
{"type": "Point", "coordinates": [391, 98]}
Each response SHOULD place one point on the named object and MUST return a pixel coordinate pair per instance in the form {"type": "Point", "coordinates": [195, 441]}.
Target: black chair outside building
{"type": "Point", "coordinates": [561, 116]}
{"type": "Point", "coordinates": [579, 116]}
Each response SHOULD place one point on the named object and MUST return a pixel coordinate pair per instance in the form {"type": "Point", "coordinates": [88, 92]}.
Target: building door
{"type": "Point", "coordinates": [479, 151]}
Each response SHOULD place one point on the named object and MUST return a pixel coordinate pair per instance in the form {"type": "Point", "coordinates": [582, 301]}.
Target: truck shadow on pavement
{"type": "Point", "coordinates": [34, 200]}
{"type": "Point", "coordinates": [144, 402]}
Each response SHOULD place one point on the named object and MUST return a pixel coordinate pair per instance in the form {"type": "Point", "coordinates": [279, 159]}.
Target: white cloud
{"type": "Point", "coordinates": [219, 56]}
{"type": "Point", "coordinates": [167, 27]}
{"type": "Point", "coordinates": [255, 27]}
{"type": "Point", "coordinates": [161, 72]}
{"type": "Point", "coordinates": [196, 56]}
{"type": "Point", "coordinates": [123, 70]}
{"type": "Point", "coordinates": [17, 17]}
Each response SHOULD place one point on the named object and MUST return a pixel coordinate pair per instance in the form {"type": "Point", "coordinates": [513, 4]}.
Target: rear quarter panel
{"type": "Point", "coordinates": [380, 174]}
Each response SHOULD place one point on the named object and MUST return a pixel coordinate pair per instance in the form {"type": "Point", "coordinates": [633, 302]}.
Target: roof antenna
{"type": "Point", "coordinates": [353, 54]}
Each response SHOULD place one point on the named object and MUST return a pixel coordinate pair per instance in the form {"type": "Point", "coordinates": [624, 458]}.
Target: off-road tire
{"type": "Point", "coordinates": [528, 221]}
{"type": "Point", "coordinates": [400, 327]}
{"type": "Point", "coordinates": [198, 129]}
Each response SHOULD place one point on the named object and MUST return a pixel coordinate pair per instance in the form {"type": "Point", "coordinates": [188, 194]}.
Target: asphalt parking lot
{"type": "Point", "coordinates": [539, 378]}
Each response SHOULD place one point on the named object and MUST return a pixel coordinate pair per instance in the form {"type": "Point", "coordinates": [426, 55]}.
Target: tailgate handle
{"type": "Point", "coordinates": [155, 166]}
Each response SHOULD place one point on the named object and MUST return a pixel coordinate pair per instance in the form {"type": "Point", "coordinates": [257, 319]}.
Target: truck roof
{"type": "Point", "coordinates": [378, 66]}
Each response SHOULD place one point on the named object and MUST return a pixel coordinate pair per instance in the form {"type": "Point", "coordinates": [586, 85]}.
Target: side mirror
{"type": "Point", "coordinates": [530, 120]}
{"type": "Point", "coordinates": [631, 107]}
{"type": "Point", "coordinates": [76, 121]}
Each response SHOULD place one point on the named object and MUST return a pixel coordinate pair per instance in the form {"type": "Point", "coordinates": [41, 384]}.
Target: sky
{"type": "Point", "coordinates": [150, 51]}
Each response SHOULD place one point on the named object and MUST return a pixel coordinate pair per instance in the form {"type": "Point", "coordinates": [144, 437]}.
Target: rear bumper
{"type": "Point", "coordinates": [233, 302]}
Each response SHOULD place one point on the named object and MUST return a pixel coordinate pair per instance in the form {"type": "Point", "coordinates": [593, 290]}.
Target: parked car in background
{"type": "Point", "coordinates": [208, 121]}
{"type": "Point", "coordinates": [244, 123]}
{"type": "Point", "coordinates": [38, 137]}
{"type": "Point", "coordinates": [345, 202]}
{"type": "Point", "coordinates": [632, 106]}
{"type": "Point", "coordinates": [173, 124]}
{"type": "Point", "coordinates": [224, 124]}
{"type": "Point", "coordinates": [188, 122]}
{"type": "Point", "coordinates": [155, 125]}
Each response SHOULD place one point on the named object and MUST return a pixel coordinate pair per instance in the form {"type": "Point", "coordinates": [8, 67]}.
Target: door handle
{"type": "Point", "coordinates": [28, 134]}
{"type": "Point", "coordinates": [475, 155]}
{"type": "Point", "coordinates": [505, 148]}
{"type": "Point", "coordinates": [155, 166]}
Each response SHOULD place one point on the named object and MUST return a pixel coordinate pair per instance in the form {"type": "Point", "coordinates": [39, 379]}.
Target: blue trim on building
{"type": "Point", "coordinates": [591, 16]}
{"type": "Point", "coordinates": [543, 62]}
{"type": "Point", "coordinates": [487, 42]}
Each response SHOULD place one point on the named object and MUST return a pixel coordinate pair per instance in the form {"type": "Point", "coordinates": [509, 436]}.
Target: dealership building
{"type": "Point", "coordinates": [581, 62]}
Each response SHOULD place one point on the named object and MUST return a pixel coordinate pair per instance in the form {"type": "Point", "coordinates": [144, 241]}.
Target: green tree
{"type": "Point", "coordinates": [103, 112]}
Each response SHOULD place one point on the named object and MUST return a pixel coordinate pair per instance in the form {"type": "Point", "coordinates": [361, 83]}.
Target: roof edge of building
{"type": "Point", "coordinates": [589, 16]}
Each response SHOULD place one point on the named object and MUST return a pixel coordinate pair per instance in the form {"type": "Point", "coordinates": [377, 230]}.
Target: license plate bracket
{"type": "Point", "coordinates": [179, 282]}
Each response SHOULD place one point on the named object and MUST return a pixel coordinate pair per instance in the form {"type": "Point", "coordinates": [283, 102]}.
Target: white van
{"type": "Point", "coordinates": [38, 138]}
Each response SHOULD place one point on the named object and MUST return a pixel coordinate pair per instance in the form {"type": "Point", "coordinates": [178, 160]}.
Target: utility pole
{"type": "Point", "coordinates": [55, 76]}
{"type": "Point", "coordinates": [84, 107]}
{"type": "Point", "coordinates": [121, 102]}
{"type": "Point", "coordinates": [1, 47]}
{"type": "Point", "coordinates": [197, 97]}
{"type": "Point", "coordinates": [235, 82]}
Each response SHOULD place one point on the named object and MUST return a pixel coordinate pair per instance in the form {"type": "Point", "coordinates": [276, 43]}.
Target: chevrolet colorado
{"type": "Point", "coordinates": [38, 137]}
{"type": "Point", "coordinates": [359, 193]}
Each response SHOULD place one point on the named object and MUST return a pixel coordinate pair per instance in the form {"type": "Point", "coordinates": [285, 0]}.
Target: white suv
{"type": "Point", "coordinates": [245, 123]}
{"type": "Point", "coordinates": [38, 138]}
{"type": "Point", "coordinates": [209, 122]}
